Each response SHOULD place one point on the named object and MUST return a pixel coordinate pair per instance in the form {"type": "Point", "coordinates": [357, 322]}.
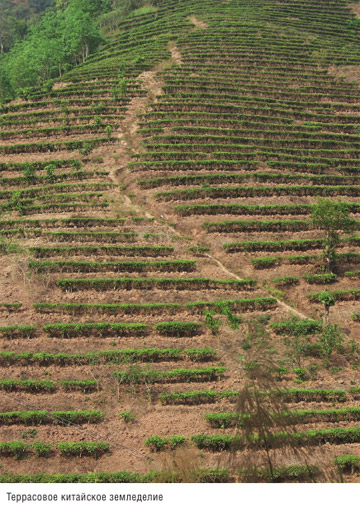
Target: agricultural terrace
{"type": "Point", "coordinates": [156, 204]}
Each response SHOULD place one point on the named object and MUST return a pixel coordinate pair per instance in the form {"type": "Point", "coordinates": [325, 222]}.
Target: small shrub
{"type": "Point", "coordinates": [41, 449]}
{"type": "Point", "coordinates": [158, 444]}
{"type": "Point", "coordinates": [82, 448]}
{"type": "Point", "coordinates": [127, 416]}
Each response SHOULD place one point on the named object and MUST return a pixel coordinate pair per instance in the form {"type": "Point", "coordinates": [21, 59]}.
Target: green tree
{"type": "Point", "coordinates": [14, 22]}
{"type": "Point", "coordinates": [223, 308]}
{"type": "Point", "coordinates": [328, 300]}
{"type": "Point", "coordinates": [61, 38]}
{"type": "Point", "coordinates": [332, 218]}
{"type": "Point", "coordinates": [39, 5]}
{"type": "Point", "coordinates": [212, 323]}
{"type": "Point", "coordinates": [6, 30]}
{"type": "Point", "coordinates": [266, 433]}
{"type": "Point", "coordinates": [80, 34]}
{"type": "Point", "coordinates": [108, 131]}
{"type": "Point", "coordinates": [39, 57]}
{"type": "Point", "coordinates": [265, 420]}
{"type": "Point", "coordinates": [331, 339]}
{"type": "Point", "coordinates": [6, 90]}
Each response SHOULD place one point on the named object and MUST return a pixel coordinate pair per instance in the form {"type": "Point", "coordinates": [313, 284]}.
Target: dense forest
{"type": "Point", "coordinates": [42, 39]}
{"type": "Point", "coordinates": [16, 18]}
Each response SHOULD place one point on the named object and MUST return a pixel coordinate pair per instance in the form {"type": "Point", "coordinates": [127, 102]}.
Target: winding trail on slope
{"type": "Point", "coordinates": [131, 142]}
{"type": "Point", "coordinates": [288, 308]}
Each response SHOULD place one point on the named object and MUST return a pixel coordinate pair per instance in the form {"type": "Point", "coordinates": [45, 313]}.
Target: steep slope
{"type": "Point", "coordinates": [137, 194]}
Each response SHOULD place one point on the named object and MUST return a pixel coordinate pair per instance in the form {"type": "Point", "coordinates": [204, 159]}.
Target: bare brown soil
{"type": "Point", "coordinates": [348, 73]}
{"type": "Point", "coordinates": [355, 8]}
{"type": "Point", "coordinates": [198, 23]}
{"type": "Point", "coordinates": [175, 54]}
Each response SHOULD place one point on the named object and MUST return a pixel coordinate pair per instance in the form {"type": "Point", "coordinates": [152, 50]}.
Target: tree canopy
{"type": "Point", "coordinates": [64, 36]}
{"type": "Point", "coordinates": [333, 218]}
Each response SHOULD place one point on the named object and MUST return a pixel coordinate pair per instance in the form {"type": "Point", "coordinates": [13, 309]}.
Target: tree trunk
{"type": "Point", "coordinates": [328, 256]}
{"type": "Point", "coordinates": [327, 314]}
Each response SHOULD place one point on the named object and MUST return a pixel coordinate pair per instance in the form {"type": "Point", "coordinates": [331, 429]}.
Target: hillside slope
{"type": "Point", "coordinates": [174, 169]}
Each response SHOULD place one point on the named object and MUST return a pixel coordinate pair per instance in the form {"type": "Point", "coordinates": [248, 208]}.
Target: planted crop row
{"type": "Point", "coordinates": [200, 475]}
{"type": "Point", "coordinates": [21, 450]}
{"type": "Point", "coordinates": [55, 188]}
{"type": "Point", "coordinates": [118, 250]}
{"type": "Point", "coordinates": [258, 303]}
{"type": "Point", "coordinates": [41, 147]}
{"type": "Point", "coordinates": [70, 206]}
{"type": "Point", "coordinates": [178, 329]}
{"type": "Point", "coordinates": [283, 245]}
{"type": "Point", "coordinates": [57, 202]}
{"type": "Point", "coordinates": [56, 417]}
{"type": "Point", "coordinates": [64, 129]}
{"type": "Point", "coordinates": [21, 166]}
{"type": "Point", "coordinates": [297, 328]}
{"type": "Point", "coordinates": [206, 179]}
{"type": "Point", "coordinates": [177, 375]}
{"type": "Point", "coordinates": [128, 283]}
{"type": "Point", "coordinates": [71, 330]}
{"type": "Point", "coordinates": [63, 330]}
{"type": "Point", "coordinates": [320, 278]}
{"type": "Point", "coordinates": [72, 222]}
{"type": "Point", "coordinates": [303, 259]}
{"type": "Point", "coordinates": [311, 437]}
{"type": "Point", "coordinates": [233, 226]}
{"type": "Point", "coordinates": [339, 295]}
{"type": "Point", "coordinates": [48, 386]}
{"type": "Point", "coordinates": [65, 236]}
{"type": "Point", "coordinates": [53, 178]}
{"type": "Point", "coordinates": [354, 273]}
{"type": "Point", "coordinates": [196, 397]}
{"type": "Point", "coordinates": [348, 463]}
{"type": "Point", "coordinates": [157, 444]}
{"type": "Point", "coordinates": [9, 248]}
{"type": "Point", "coordinates": [312, 395]}
{"type": "Point", "coordinates": [83, 448]}
{"type": "Point", "coordinates": [227, 420]}
{"type": "Point", "coordinates": [174, 165]}
{"type": "Point", "coordinates": [244, 209]}
{"type": "Point", "coordinates": [112, 266]}
{"type": "Point", "coordinates": [11, 306]}
{"type": "Point", "coordinates": [18, 331]}
{"type": "Point", "coordinates": [289, 395]}
{"type": "Point", "coordinates": [109, 309]}
{"type": "Point", "coordinates": [106, 356]}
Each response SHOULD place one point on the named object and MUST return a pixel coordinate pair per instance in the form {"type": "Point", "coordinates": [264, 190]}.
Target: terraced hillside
{"type": "Point", "coordinates": [156, 191]}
